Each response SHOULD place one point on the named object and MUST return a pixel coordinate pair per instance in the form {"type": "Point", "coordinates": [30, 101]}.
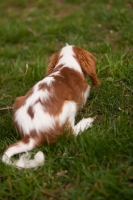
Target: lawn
{"type": "Point", "coordinates": [98, 164]}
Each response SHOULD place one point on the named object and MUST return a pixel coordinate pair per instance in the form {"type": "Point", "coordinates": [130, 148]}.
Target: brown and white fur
{"type": "Point", "coordinates": [51, 105]}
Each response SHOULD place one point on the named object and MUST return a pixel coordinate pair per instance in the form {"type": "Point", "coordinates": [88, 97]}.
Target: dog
{"type": "Point", "coordinates": [50, 106]}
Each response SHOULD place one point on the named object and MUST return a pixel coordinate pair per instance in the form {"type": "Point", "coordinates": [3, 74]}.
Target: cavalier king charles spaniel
{"type": "Point", "coordinates": [50, 106]}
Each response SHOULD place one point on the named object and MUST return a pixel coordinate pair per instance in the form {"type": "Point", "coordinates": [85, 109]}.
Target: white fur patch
{"type": "Point", "coordinates": [39, 94]}
{"type": "Point", "coordinates": [68, 112]}
{"type": "Point", "coordinates": [67, 58]}
{"type": "Point", "coordinates": [47, 80]}
{"type": "Point", "coordinates": [41, 121]}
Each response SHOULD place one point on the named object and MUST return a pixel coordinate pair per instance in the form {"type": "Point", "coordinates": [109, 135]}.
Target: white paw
{"type": "Point", "coordinates": [84, 124]}
{"type": "Point", "coordinates": [39, 158]}
{"type": "Point", "coordinates": [25, 156]}
{"type": "Point", "coordinates": [22, 160]}
{"type": "Point", "coordinates": [25, 161]}
{"type": "Point", "coordinates": [6, 159]}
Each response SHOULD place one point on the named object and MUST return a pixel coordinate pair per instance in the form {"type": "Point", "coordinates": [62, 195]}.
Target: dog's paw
{"type": "Point", "coordinates": [84, 124]}
{"type": "Point", "coordinates": [39, 158]}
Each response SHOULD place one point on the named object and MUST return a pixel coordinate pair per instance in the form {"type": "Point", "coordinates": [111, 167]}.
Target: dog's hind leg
{"type": "Point", "coordinates": [24, 145]}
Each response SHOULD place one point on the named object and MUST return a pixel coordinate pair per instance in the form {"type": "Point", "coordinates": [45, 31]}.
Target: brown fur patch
{"type": "Point", "coordinates": [20, 101]}
{"type": "Point", "coordinates": [30, 112]}
{"type": "Point", "coordinates": [87, 63]}
{"type": "Point", "coordinates": [43, 86]}
{"type": "Point", "coordinates": [68, 86]}
{"type": "Point", "coordinates": [52, 63]}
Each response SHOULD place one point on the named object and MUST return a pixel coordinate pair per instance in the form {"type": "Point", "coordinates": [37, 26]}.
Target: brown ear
{"type": "Point", "coordinates": [52, 63]}
{"type": "Point", "coordinates": [87, 63]}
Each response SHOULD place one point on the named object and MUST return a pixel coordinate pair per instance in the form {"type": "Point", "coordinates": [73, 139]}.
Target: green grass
{"type": "Point", "coordinates": [99, 163]}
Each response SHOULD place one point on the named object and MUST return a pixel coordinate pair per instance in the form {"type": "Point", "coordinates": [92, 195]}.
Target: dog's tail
{"type": "Point", "coordinates": [24, 160]}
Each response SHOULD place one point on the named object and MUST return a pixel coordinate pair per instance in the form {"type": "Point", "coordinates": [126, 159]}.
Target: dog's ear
{"type": "Point", "coordinates": [52, 63]}
{"type": "Point", "coordinates": [87, 63]}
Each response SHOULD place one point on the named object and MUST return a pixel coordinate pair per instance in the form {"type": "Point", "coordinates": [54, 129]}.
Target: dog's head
{"type": "Point", "coordinates": [85, 59]}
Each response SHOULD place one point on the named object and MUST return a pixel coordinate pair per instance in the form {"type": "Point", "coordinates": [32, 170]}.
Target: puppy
{"type": "Point", "coordinates": [50, 106]}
